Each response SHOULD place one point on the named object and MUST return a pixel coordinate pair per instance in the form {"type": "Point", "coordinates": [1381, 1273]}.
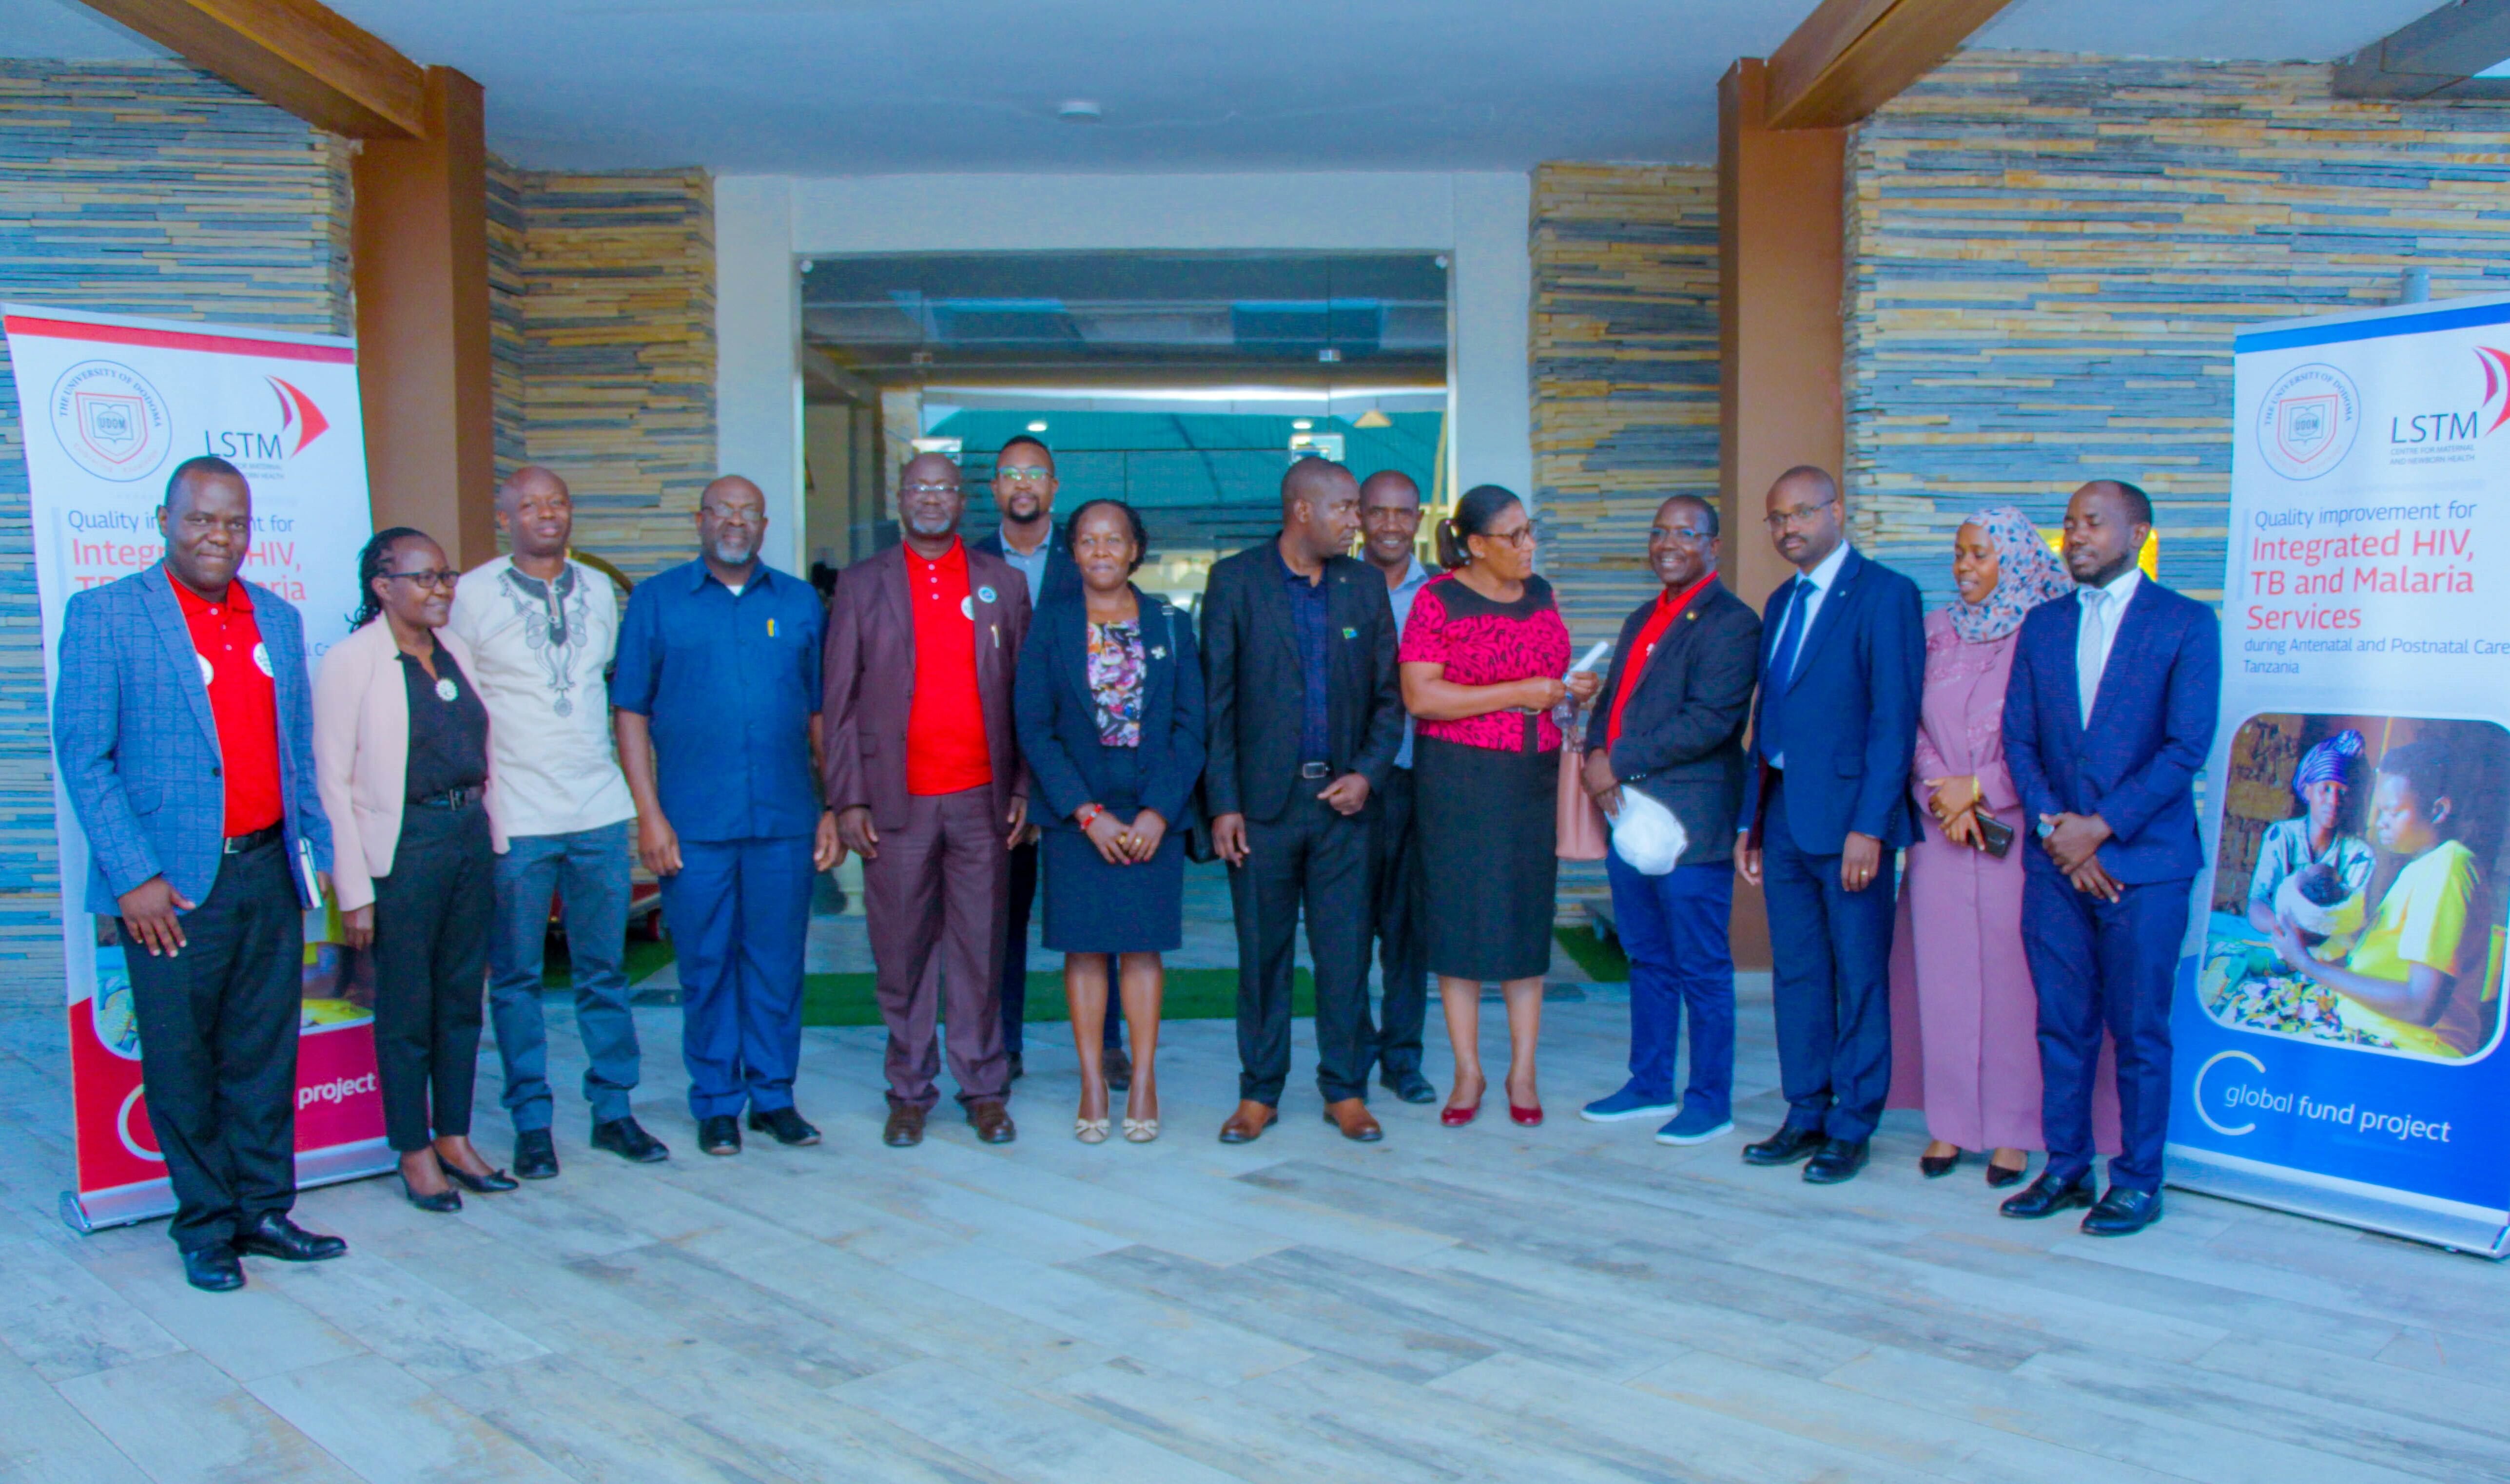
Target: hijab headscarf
{"type": "Point", "coordinates": [2028, 575]}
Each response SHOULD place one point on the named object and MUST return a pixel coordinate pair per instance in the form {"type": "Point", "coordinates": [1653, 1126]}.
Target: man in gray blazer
{"type": "Point", "coordinates": [184, 724]}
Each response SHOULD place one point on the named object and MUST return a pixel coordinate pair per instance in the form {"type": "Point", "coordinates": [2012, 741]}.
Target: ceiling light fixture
{"type": "Point", "coordinates": [1037, 427]}
{"type": "Point", "coordinates": [1080, 110]}
{"type": "Point", "coordinates": [1373, 418]}
{"type": "Point", "coordinates": [1301, 424]}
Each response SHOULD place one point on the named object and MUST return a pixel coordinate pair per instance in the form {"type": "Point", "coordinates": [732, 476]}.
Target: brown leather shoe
{"type": "Point", "coordinates": [1352, 1116]}
{"type": "Point", "coordinates": [905, 1127]}
{"type": "Point", "coordinates": [992, 1121]}
{"type": "Point", "coordinates": [1248, 1123]}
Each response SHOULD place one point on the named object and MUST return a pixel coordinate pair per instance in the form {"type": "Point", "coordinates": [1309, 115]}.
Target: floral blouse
{"type": "Point", "coordinates": [1115, 667]}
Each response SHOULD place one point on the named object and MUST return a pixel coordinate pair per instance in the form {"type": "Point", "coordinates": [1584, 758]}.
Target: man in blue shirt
{"type": "Point", "coordinates": [717, 691]}
{"type": "Point", "coordinates": [1389, 528]}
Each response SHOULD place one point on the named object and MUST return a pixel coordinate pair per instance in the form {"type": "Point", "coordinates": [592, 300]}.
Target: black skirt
{"type": "Point", "coordinates": [1487, 828]}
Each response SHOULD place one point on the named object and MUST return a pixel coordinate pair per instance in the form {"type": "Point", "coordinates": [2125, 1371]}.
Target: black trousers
{"type": "Point", "coordinates": [1313, 858]}
{"type": "Point", "coordinates": [1023, 903]}
{"type": "Point", "coordinates": [217, 1047]}
{"type": "Point", "coordinates": [1402, 926]}
{"type": "Point", "coordinates": [435, 913]}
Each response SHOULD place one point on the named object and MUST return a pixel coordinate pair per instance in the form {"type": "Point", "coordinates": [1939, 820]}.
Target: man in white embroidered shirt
{"type": "Point", "coordinates": [542, 628]}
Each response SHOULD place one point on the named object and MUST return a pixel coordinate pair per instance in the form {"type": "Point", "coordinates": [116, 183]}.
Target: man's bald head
{"type": "Point", "coordinates": [732, 521]}
{"type": "Point", "coordinates": [537, 513]}
{"type": "Point", "coordinates": [1805, 521]}
{"type": "Point", "coordinates": [1389, 520]}
{"type": "Point", "coordinates": [1319, 506]}
{"type": "Point", "coordinates": [530, 480]}
{"type": "Point", "coordinates": [1315, 479]}
{"type": "Point", "coordinates": [929, 501]}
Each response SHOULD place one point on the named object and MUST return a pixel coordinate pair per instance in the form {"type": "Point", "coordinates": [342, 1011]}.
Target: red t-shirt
{"type": "Point", "coordinates": [1668, 607]}
{"type": "Point", "coordinates": [946, 725]}
{"type": "Point", "coordinates": [244, 701]}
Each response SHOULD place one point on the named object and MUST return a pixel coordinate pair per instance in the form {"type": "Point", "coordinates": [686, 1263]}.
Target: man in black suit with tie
{"type": "Point", "coordinates": [1024, 491]}
{"type": "Point", "coordinates": [1297, 659]}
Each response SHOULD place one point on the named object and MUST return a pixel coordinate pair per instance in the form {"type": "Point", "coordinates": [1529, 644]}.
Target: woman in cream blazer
{"type": "Point", "coordinates": [400, 758]}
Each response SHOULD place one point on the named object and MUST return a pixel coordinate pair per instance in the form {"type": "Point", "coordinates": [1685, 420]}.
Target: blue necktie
{"type": "Point", "coordinates": [1782, 668]}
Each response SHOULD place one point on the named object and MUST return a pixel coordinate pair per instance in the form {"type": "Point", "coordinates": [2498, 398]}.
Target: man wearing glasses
{"type": "Point", "coordinates": [1024, 491]}
{"type": "Point", "coordinates": [1671, 726]}
{"type": "Point", "coordinates": [717, 691]}
{"type": "Point", "coordinates": [1825, 807]}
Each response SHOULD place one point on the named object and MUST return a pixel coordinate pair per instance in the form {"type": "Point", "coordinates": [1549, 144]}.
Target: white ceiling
{"type": "Point", "coordinates": [882, 87]}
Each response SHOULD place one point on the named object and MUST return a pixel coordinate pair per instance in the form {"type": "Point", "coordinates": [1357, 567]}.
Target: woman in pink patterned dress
{"type": "Point", "coordinates": [1964, 1017]}
{"type": "Point", "coordinates": [1482, 659]}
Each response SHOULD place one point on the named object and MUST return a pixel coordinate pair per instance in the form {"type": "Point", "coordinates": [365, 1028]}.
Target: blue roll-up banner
{"type": "Point", "coordinates": [2339, 1029]}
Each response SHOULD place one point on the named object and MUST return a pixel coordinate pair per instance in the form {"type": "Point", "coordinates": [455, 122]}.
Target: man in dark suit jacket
{"type": "Point", "coordinates": [184, 725]}
{"type": "Point", "coordinates": [1024, 491]}
{"type": "Point", "coordinates": [1825, 808]}
{"type": "Point", "coordinates": [1297, 659]}
{"type": "Point", "coordinates": [921, 767]}
{"type": "Point", "coordinates": [2109, 714]}
{"type": "Point", "coordinates": [1670, 725]}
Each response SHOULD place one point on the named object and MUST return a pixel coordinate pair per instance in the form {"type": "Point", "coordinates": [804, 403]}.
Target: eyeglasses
{"type": "Point", "coordinates": [1801, 514]}
{"type": "Point", "coordinates": [445, 577]}
{"type": "Point", "coordinates": [926, 489]}
{"type": "Point", "coordinates": [1520, 538]}
{"type": "Point", "coordinates": [1030, 476]}
{"type": "Point", "coordinates": [729, 515]}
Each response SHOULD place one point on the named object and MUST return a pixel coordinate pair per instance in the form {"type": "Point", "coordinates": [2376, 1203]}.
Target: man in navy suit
{"type": "Point", "coordinates": [1826, 804]}
{"type": "Point", "coordinates": [184, 724]}
{"type": "Point", "coordinates": [2109, 714]}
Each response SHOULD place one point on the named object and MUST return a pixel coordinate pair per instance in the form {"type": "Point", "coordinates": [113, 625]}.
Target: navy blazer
{"type": "Point", "coordinates": [2151, 725]}
{"type": "Point", "coordinates": [1058, 716]}
{"type": "Point", "coordinates": [1682, 735]}
{"type": "Point", "coordinates": [1062, 574]}
{"type": "Point", "coordinates": [138, 745]}
{"type": "Point", "coordinates": [1852, 732]}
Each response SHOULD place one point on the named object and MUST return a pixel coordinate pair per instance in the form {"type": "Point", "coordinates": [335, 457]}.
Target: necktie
{"type": "Point", "coordinates": [2088, 647]}
{"type": "Point", "coordinates": [1782, 668]}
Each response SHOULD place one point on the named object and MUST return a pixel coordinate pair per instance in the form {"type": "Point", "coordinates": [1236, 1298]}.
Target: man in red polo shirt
{"type": "Point", "coordinates": [927, 782]}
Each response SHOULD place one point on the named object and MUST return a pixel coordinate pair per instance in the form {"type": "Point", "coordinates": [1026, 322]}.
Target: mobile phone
{"type": "Point", "coordinates": [1995, 836]}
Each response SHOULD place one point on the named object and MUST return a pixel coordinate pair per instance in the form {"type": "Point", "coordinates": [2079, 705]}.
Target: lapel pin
{"type": "Point", "coordinates": [1158, 651]}
{"type": "Point", "coordinates": [1350, 634]}
{"type": "Point", "coordinates": [985, 594]}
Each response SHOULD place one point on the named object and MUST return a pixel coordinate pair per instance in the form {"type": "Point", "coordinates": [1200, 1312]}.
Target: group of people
{"type": "Point", "coordinates": [988, 723]}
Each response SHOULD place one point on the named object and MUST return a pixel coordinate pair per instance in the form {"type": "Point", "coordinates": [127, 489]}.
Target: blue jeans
{"type": "Point", "coordinates": [588, 868]}
{"type": "Point", "coordinates": [1673, 926]}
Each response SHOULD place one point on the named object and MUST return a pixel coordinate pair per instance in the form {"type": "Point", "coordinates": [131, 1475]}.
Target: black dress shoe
{"type": "Point", "coordinates": [2047, 1195]}
{"type": "Point", "coordinates": [495, 1182]}
{"type": "Point", "coordinates": [442, 1202]}
{"type": "Point", "coordinates": [1936, 1167]}
{"type": "Point", "coordinates": [719, 1135]}
{"type": "Point", "coordinates": [1409, 1085]}
{"type": "Point", "coordinates": [2123, 1212]}
{"type": "Point", "coordinates": [535, 1155]}
{"type": "Point", "coordinates": [628, 1139]}
{"type": "Point", "coordinates": [790, 1127]}
{"type": "Point", "coordinates": [1999, 1176]}
{"type": "Point", "coordinates": [1838, 1161]}
{"type": "Point", "coordinates": [1784, 1146]}
{"type": "Point", "coordinates": [1120, 1070]}
{"type": "Point", "coordinates": [273, 1234]}
{"type": "Point", "coordinates": [214, 1268]}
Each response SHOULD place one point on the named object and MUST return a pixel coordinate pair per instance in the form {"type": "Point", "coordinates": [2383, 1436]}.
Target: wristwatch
{"type": "Point", "coordinates": [2047, 828]}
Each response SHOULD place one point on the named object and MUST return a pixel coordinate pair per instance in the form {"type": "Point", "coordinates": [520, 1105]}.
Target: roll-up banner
{"type": "Point", "coordinates": [109, 405]}
{"type": "Point", "coordinates": [2339, 1037]}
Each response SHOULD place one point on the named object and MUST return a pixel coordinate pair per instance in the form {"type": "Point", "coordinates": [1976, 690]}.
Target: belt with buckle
{"type": "Point", "coordinates": [237, 845]}
{"type": "Point", "coordinates": [451, 798]}
{"type": "Point", "coordinates": [1313, 770]}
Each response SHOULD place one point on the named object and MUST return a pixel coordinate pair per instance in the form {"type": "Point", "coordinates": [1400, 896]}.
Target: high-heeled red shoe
{"type": "Point", "coordinates": [1458, 1118]}
{"type": "Point", "coordinates": [1527, 1118]}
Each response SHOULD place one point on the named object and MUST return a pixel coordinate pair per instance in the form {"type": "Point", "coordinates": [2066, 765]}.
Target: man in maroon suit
{"type": "Point", "coordinates": [927, 782]}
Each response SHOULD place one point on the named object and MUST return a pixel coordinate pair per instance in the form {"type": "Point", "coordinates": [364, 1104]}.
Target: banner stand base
{"type": "Point", "coordinates": [101, 1211]}
{"type": "Point", "coordinates": [2457, 1228]}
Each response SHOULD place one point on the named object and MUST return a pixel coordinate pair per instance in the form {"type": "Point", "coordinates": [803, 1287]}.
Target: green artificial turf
{"type": "Point", "coordinates": [1604, 961]}
{"type": "Point", "coordinates": [644, 956]}
{"type": "Point", "coordinates": [1192, 994]}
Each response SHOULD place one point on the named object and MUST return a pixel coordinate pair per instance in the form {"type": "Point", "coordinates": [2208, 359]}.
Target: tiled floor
{"type": "Point", "coordinates": [1568, 1303]}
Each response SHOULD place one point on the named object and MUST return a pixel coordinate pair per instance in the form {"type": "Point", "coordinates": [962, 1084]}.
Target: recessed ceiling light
{"type": "Point", "coordinates": [1080, 110]}
{"type": "Point", "coordinates": [1301, 424]}
{"type": "Point", "coordinates": [1037, 427]}
{"type": "Point", "coordinates": [1373, 418]}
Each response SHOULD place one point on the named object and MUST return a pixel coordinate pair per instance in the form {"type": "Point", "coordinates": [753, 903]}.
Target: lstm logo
{"type": "Point", "coordinates": [2460, 426]}
{"type": "Point", "coordinates": [300, 423]}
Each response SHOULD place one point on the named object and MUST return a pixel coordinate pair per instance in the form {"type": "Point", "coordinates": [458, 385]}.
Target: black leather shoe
{"type": "Point", "coordinates": [2047, 1195]}
{"type": "Point", "coordinates": [719, 1135]}
{"type": "Point", "coordinates": [442, 1202]}
{"type": "Point", "coordinates": [1999, 1176]}
{"type": "Point", "coordinates": [2123, 1213]}
{"type": "Point", "coordinates": [213, 1269]}
{"type": "Point", "coordinates": [535, 1155]}
{"type": "Point", "coordinates": [1120, 1070]}
{"type": "Point", "coordinates": [1784, 1146]}
{"type": "Point", "coordinates": [788, 1126]}
{"type": "Point", "coordinates": [495, 1182]}
{"type": "Point", "coordinates": [1936, 1167]}
{"type": "Point", "coordinates": [1838, 1161]}
{"type": "Point", "coordinates": [628, 1139]}
{"type": "Point", "coordinates": [273, 1234]}
{"type": "Point", "coordinates": [1409, 1085]}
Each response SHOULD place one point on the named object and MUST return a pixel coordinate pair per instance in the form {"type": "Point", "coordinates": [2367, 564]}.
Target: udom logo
{"type": "Point", "coordinates": [110, 421]}
{"type": "Point", "coordinates": [2307, 419]}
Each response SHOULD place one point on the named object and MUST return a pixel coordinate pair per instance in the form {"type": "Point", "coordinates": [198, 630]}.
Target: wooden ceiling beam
{"type": "Point", "coordinates": [1850, 56]}
{"type": "Point", "coordinates": [295, 53]}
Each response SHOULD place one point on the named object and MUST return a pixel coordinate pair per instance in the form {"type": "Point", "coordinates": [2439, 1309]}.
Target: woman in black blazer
{"type": "Point", "coordinates": [1111, 718]}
